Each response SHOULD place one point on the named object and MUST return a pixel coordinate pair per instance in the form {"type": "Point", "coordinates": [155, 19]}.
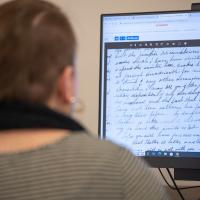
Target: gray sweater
{"type": "Point", "coordinates": [77, 167]}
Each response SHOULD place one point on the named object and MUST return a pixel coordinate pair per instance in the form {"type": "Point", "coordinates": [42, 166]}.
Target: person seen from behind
{"type": "Point", "coordinates": [44, 153]}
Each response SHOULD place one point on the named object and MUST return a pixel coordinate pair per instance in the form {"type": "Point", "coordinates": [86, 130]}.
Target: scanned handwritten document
{"type": "Point", "coordinates": [153, 97]}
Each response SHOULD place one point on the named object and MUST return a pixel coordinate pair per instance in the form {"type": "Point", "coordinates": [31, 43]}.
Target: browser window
{"type": "Point", "coordinates": [150, 86]}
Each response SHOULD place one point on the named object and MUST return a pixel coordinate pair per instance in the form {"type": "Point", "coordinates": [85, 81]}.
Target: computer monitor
{"type": "Point", "coordinates": [150, 85]}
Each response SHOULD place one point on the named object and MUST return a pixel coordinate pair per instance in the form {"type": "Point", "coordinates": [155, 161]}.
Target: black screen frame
{"type": "Point", "coordinates": [156, 162]}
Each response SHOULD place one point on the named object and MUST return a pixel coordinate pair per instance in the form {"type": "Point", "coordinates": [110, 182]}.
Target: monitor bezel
{"type": "Point", "coordinates": [156, 162]}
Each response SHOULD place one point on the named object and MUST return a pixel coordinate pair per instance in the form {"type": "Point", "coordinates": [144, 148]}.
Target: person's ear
{"type": "Point", "coordinates": [66, 85]}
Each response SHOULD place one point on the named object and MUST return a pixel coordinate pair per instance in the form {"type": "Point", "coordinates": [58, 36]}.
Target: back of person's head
{"type": "Point", "coordinates": [36, 44]}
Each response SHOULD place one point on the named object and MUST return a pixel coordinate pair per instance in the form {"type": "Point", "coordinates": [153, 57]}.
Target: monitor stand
{"type": "Point", "coordinates": [187, 174]}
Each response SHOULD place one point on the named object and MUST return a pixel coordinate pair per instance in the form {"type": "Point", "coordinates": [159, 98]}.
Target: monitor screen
{"type": "Point", "coordinates": [150, 85]}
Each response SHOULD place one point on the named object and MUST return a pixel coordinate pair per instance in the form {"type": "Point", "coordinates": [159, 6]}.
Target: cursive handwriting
{"type": "Point", "coordinates": [153, 98]}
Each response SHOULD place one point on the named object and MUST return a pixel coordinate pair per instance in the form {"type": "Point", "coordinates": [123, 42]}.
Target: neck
{"type": "Point", "coordinates": [23, 140]}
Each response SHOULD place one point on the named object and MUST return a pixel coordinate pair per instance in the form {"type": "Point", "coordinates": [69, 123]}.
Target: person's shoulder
{"type": "Point", "coordinates": [120, 165]}
{"type": "Point", "coordinates": [90, 142]}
